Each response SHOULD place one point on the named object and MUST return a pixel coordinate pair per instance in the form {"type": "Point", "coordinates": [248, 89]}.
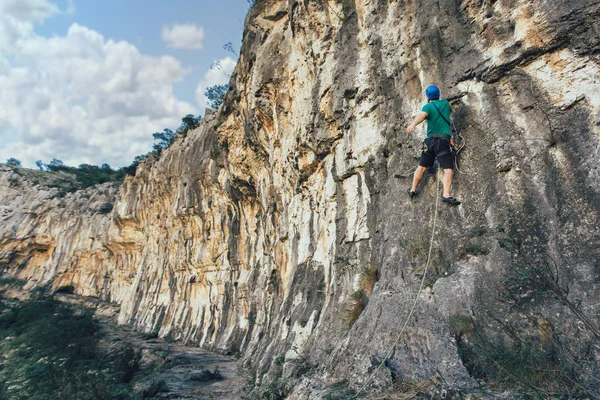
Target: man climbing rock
{"type": "Point", "coordinates": [437, 114]}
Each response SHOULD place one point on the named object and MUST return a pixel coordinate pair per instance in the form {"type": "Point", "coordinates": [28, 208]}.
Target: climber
{"type": "Point", "coordinates": [437, 143]}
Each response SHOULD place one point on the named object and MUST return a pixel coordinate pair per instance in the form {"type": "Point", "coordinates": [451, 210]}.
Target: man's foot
{"type": "Point", "coordinates": [412, 194]}
{"type": "Point", "coordinates": [450, 200]}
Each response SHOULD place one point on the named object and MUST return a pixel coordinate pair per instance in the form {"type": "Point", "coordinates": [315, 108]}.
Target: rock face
{"type": "Point", "coordinates": [256, 233]}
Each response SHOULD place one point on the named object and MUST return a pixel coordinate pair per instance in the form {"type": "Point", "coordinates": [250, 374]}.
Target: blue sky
{"type": "Point", "coordinates": [89, 81]}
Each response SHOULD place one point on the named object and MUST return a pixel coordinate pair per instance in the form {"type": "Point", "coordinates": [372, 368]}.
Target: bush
{"type": "Point", "coordinates": [105, 208]}
{"type": "Point", "coordinates": [50, 351]}
{"type": "Point", "coordinates": [86, 176]}
{"type": "Point", "coordinates": [272, 388]}
{"type": "Point", "coordinates": [14, 162]}
{"type": "Point", "coordinates": [15, 282]}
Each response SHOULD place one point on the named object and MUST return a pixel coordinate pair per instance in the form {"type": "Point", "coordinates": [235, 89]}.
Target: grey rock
{"type": "Point", "coordinates": [282, 201]}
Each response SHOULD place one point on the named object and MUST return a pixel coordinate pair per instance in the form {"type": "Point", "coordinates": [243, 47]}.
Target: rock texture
{"type": "Point", "coordinates": [252, 235]}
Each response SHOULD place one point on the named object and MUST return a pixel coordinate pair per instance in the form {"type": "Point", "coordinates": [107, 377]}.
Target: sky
{"type": "Point", "coordinates": [89, 81]}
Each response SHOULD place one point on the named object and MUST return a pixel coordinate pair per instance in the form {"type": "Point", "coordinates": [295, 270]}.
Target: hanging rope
{"type": "Point", "coordinates": [414, 306]}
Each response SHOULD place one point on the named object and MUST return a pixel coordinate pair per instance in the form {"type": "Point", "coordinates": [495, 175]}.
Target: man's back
{"type": "Point", "coordinates": [435, 122]}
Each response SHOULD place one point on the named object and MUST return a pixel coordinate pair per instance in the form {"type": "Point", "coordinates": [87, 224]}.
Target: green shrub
{"type": "Point", "coordinates": [272, 388]}
{"type": "Point", "coordinates": [50, 351]}
{"type": "Point", "coordinates": [279, 360]}
{"type": "Point", "coordinates": [12, 282]}
{"type": "Point", "coordinates": [105, 208]}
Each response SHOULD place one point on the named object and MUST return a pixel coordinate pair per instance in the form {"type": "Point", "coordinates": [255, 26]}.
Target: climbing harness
{"type": "Point", "coordinates": [414, 306]}
{"type": "Point", "coordinates": [457, 146]}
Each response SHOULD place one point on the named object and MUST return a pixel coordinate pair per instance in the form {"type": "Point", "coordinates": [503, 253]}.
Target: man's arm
{"type": "Point", "coordinates": [418, 119]}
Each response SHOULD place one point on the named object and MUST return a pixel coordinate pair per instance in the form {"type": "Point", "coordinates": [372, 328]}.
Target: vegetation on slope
{"type": "Point", "coordinates": [49, 350]}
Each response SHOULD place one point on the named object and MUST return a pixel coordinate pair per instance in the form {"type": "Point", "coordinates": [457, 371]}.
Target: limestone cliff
{"type": "Point", "coordinates": [254, 234]}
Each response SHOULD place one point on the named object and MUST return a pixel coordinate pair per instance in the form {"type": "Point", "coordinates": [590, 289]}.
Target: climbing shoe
{"type": "Point", "coordinates": [412, 194]}
{"type": "Point", "coordinates": [450, 200]}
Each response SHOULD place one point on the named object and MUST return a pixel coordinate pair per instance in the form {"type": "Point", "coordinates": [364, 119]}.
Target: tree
{"type": "Point", "coordinates": [105, 166]}
{"type": "Point", "coordinates": [57, 165]}
{"type": "Point", "coordinates": [40, 164]}
{"type": "Point", "coordinates": [14, 162]}
{"type": "Point", "coordinates": [130, 170]}
{"type": "Point", "coordinates": [216, 95]}
{"type": "Point", "coordinates": [188, 123]}
{"type": "Point", "coordinates": [165, 139]}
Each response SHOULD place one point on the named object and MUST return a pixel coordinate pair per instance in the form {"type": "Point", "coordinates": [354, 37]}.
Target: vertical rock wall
{"type": "Point", "coordinates": [252, 235]}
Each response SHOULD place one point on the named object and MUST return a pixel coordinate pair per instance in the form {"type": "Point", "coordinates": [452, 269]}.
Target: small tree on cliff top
{"type": "Point", "coordinates": [216, 95]}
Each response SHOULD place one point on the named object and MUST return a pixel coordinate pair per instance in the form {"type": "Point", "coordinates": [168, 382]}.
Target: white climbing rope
{"type": "Point", "coordinates": [414, 306]}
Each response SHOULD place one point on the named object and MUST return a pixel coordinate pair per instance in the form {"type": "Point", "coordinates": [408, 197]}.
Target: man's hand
{"type": "Point", "coordinates": [420, 118]}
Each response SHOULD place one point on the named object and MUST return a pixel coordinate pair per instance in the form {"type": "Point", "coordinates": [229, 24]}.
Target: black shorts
{"type": "Point", "coordinates": [437, 148]}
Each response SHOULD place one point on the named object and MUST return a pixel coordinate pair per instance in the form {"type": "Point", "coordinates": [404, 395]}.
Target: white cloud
{"type": "Point", "coordinates": [183, 36]}
{"type": "Point", "coordinates": [28, 10]}
{"type": "Point", "coordinates": [79, 97]}
{"type": "Point", "coordinates": [214, 76]}
{"type": "Point", "coordinates": [17, 18]}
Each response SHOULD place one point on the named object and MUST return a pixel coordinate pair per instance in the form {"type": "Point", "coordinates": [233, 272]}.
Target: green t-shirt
{"type": "Point", "coordinates": [435, 122]}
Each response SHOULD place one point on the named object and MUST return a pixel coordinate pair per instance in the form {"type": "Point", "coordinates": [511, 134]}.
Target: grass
{"type": "Point", "coordinates": [527, 361]}
{"type": "Point", "coordinates": [522, 365]}
{"type": "Point", "coordinates": [368, 279]}
{"type": "Point", "coordinates": [356, 305]}
{"type": "Point", "coordinates": [359, 299]}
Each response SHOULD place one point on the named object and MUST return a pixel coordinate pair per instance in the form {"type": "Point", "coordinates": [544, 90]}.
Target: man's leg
{"type": "Point", "coordinates": [426, 161]}
{"type": "Point", "coordinates": [447, 181]}
{"type": "Point", "coordinates": [420, 171]}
